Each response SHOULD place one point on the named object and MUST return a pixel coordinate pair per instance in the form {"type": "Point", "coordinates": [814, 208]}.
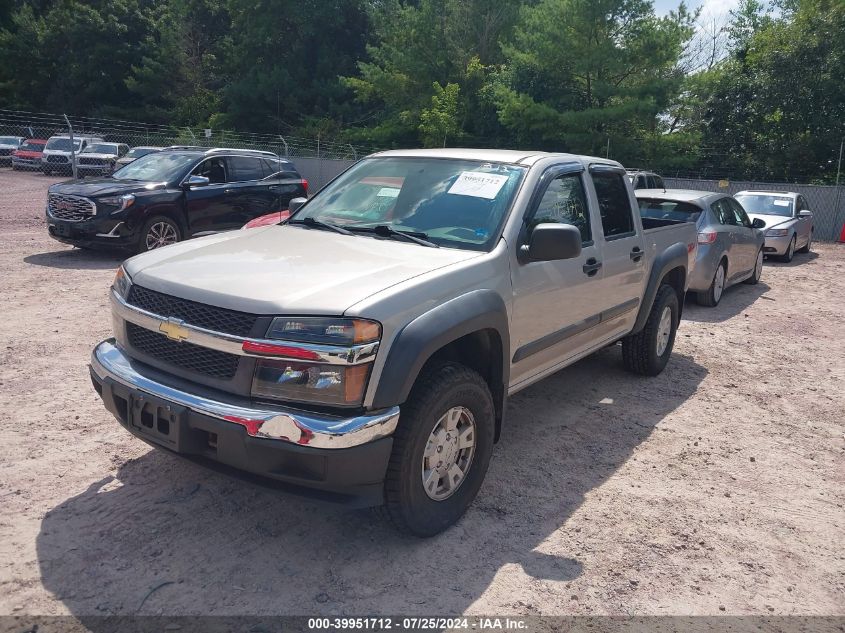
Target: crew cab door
{"type": "Point", "coordinates": [623, 250]}
{"type": "Point", "coordinates": [555, 303]}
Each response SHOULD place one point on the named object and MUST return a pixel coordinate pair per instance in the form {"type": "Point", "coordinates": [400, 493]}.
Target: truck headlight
{"type": "Point", "coordinates": [338, 384]}
{"type": "Point", "coordinates": [121, 202]}
{"type": "Point", "coordinates": [122, 283]}
{"type": "Point", "coordinates": [777, 232]}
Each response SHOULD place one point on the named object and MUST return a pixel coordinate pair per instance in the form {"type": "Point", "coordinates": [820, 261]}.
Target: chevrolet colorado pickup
{"type": "Point", "coordinates": [364, 350]}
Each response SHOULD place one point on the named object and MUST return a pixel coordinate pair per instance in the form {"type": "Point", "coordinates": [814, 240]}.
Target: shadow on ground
{"type": "Point", "coordinates": [77, 259]}
{"type": "Point", "coordinates": [734, 301]}
{"type": "Point", "coordinates": [165, 536]}
{"type": "Point", "coordinates": [797, 260]}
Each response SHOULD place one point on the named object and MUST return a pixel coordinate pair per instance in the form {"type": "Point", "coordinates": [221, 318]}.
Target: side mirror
{"type": "Point", "coordinates": [758, 224]}
{"type": "Point", "coordinates": [195, 181]}
{"type": "Point", "coordinates": [806, 213]}
{"type": "Point", "coordinates": [550, 242]}
{"type": "Point", "coordinates": [295, 203]}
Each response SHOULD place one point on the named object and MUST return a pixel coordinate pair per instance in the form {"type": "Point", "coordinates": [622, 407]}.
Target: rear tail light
{"type": "Point", "coordinates": [707, 237]}
{"type": "Point", "coordinates": [305, 184]}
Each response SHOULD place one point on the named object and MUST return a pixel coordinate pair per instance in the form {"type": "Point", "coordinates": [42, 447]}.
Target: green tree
{"type": "Point", "coordinates": [583, 74]}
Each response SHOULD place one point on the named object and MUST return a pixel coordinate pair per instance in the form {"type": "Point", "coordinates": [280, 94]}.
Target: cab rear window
{"type": "Point", "coordinates": [669, 210]}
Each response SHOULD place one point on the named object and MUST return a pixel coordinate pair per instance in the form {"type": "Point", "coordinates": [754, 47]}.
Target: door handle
{"type": "Point", "coordinates": [591, 267]}
{"type": "Point", "coordinates": [636, 254]}
{"type": "Point", "coordinates": [228, 191]}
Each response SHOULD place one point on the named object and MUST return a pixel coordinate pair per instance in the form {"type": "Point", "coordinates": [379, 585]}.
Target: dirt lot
{"type": "Point", "coordinates": [715, 488]}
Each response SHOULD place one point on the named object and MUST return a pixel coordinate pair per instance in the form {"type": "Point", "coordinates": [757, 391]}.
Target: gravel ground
{"type": "Point", "coordinates": [715, 488]}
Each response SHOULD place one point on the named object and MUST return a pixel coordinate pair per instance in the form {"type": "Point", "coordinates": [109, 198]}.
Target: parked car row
{"type": "Point", "coordinates": [732, 242]}
{"type": "Point", "coordinates": [94, 156]}
{"type": "Point", "coordinates": [170, 195]}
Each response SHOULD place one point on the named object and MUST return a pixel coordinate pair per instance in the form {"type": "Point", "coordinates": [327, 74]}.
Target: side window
{"type": "Point", "coordinates": [640, 182]}
{"type": "Point", "coordinates": [724, 214]}
{"type": "Point", "coordinates": [564, 202]}
{"type": "Point", "coordinates": [802, 204]}
{"type": "Point", "coordinates": [658, 183]}
{"type": "Point", "coordinates": [739, 213]}
{"type": "Point", "coordinates": [650, 181]}
{"type": "Point", "coordinates": [244, 168]}
{"type": "Point", "coordinates": [615, 207]}
{"type": "Point", "coordinates": [213, 169]}
{"type": "Point", "coordinates": [271, 166]}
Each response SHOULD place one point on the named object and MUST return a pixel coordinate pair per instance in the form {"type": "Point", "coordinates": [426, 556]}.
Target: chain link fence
{"type": "Point", "coordinates": [318, 159]}
{"type": "Point", "coordinates": [826, 202]}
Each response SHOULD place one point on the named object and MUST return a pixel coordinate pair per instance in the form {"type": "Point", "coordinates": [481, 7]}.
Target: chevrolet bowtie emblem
{"type": "Point", "coordinates": [172, 328]}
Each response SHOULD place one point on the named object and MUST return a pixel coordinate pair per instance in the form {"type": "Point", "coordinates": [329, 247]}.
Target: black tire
{"type": "Point", "coordinates": [640, 351]}
{"type": "Point", "coordinates": [790, 251]}
{"type": "Point", "coordinates": [710, 298]}
{"type": "Point", "coordinates": [155, 221]}
{"type": "Point", "coordinates": [758, 269]}
{"type": "Point", "coordinates": [406, 503]}
{"type": "Point", "coordinates": [806, 248]}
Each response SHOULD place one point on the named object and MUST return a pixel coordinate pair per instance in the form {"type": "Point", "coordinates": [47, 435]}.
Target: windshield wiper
{"type": "Point", "coordinates": [318, 224]}
{"type": "Point", "coordinates": [382, 230]}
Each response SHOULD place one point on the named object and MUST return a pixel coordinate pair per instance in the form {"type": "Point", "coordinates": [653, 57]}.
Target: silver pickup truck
{"type": "Point", "coordinates": [364, 350]}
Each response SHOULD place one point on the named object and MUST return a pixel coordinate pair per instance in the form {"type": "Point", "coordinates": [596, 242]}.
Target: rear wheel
{"type": "Point", "coordinates": [713, 294]}
{"type": "Point", "coordinates": [806, 248]}
{"type": "Point", "coordinates": [441, 450]}
{"type": "Point", "coordinates": [648, 351]}
{"type": "Point", "coordinates": [790, 251]}
{"type": "Point", "coordinates": [758, 269]}
{"type": "Point", "coordinates": [159, 231]}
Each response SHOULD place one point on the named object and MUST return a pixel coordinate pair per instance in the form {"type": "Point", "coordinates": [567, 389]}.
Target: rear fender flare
{"type": "Point", "coordinates": [676, 256]}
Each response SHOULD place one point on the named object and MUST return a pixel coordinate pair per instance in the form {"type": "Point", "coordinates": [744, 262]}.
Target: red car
{"type": "Point", "coordinates": [28, 155]}
{"type": "Point", "coordinates": [272, 218]}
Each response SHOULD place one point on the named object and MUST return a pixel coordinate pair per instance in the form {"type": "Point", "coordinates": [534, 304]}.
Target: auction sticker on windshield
{"type": "Point", "coordinates": [478, 185]}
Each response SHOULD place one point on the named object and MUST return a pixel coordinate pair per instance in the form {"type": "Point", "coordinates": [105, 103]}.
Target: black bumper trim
{"type": "Point", "coordinates": [352, 477]}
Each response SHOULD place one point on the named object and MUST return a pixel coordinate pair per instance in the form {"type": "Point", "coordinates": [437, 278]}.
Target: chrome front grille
{"type": "Point", "coordinates": [92, 161]}
{"type": "Point", "coordinates": [72, 208]}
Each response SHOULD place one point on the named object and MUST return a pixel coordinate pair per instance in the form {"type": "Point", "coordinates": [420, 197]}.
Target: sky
{"type": "Point", "coordinates": [710, 8]}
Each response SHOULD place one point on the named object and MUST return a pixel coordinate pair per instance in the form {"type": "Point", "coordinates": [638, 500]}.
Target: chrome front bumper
{"type": "Point", "coordinates": [269, 422]}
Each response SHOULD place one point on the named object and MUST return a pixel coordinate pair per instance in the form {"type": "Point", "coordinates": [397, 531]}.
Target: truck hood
{"type": "Point", "coordinates": [771, 220]}
{"type": "Point", "coordinates": [94, 155]}
{"type": "Point", "coordinates": [92, 187]}
{"type": "Point", "coordinates": [285, 269]}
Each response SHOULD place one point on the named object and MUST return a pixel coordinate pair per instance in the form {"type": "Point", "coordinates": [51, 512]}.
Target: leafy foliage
{"type": "Point", "coordinates": [592, 76]}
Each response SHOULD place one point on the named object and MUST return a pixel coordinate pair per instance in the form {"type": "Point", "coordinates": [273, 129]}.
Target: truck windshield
{"type": "Point", "coordinates": [32, 147]}
{"type": "Point", "coordinates": [157, 167]}
{"type": "Point", "coordinates": [63, 144]}
{"type": "Point", "coordinates": [8, 140]}
{"type": "Point", "coordinates": [668, 210]}
{"type": "Point", "coordinates": [453, 203]}
{"type": "Point", "coordinates": [100, 148]}
{"type": "Point", "coordinates": [763, 204]}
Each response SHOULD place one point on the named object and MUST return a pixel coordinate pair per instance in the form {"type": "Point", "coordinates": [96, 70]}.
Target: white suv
{"type": "Point", "coordinates": [56, 156]}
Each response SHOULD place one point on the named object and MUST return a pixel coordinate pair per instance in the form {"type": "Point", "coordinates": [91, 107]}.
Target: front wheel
{"type": "Point", "coordinates": [648, 351]}
{"type": "Point", "coordinates": [158, 232]}
{"type": "Point", "coordinates": [790, 251]}
{"type": "Point", "coordinates": [441, 450]}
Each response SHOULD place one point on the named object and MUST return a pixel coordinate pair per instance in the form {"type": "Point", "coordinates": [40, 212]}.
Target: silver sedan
{"type": "Point", "coordinates": [789, 221]}
{"type": "Point", "coordinates": [730, 244]}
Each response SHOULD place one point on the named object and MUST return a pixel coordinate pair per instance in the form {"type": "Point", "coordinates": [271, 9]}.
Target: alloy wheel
{"type": "Point", "coordinates": [664, 330]}
{"type": "Point", "coordinates": [448, 453]}
{"type": "Point", "coordinates": [719, 283]}
{"type": "Point", "coordinates": [161, 234]}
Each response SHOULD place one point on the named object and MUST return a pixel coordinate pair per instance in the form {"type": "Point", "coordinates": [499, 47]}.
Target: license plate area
{"type": "Point", "coordinates": [159, 421]}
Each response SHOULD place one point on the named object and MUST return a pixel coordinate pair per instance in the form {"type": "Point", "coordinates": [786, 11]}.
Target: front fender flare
{"type": "Point", "coordinates": [676, 256]}
{"type": "Point", "coordinates": [420, 339]}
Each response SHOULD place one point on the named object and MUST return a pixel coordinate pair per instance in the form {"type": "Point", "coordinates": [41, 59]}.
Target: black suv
{"type": "Point", "coordinates": [172, 195]}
